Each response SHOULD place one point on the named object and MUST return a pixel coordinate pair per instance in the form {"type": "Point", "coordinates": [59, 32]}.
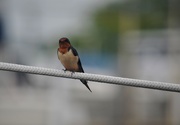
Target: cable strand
{"type": "Point", "coordinates": [91, 77]}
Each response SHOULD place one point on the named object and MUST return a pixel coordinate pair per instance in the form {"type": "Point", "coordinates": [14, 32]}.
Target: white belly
{"type": "Point", "coordinates": [68, 60]}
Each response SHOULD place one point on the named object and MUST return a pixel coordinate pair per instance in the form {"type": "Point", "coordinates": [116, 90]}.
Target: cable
{"type": "Point", "coordinates": [91, 77]}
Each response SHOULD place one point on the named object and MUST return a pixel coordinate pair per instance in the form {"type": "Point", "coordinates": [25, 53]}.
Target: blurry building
{"type": "Point", "coordinates": [151, 55]}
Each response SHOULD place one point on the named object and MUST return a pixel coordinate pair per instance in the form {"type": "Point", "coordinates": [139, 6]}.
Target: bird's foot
{"type": "Point", "coordinates": [72, 72]}
{"type": "Point", "coordinates": [64, 70]}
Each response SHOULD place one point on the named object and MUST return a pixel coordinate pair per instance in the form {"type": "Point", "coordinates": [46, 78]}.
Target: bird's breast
{"type": "Point", "coordinates": [69, 61]}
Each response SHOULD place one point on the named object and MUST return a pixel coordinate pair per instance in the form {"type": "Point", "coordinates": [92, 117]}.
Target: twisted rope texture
{"type": "Point", "coordinates": [91, 77]}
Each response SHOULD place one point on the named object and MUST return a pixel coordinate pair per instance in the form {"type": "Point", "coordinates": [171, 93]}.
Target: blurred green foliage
{"type": "Point", "coordinates": [120, 17]}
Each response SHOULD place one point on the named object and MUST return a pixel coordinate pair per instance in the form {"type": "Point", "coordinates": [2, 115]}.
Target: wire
{"type": "Point", "coordinates": [91, 77]}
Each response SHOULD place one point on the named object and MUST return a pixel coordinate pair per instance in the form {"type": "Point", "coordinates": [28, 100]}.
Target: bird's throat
{"type": "Point", "coordinates": [64, 47]}
{"type": "Point", "coordinates": [63, 50]}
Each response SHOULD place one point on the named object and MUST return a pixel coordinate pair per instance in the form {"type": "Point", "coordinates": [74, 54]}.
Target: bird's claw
{"type": "Point", "coordinates": [64, 70]}
{"type": "Point", "coordinates": [72, 72]}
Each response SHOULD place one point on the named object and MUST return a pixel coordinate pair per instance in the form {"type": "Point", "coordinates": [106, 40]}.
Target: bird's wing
{"type": "Point", "coordinates": [80, 66]}
{"type": "Point", "coordinates": [74, 51]}
{"type": "Point", "coordinates": [79, 61]}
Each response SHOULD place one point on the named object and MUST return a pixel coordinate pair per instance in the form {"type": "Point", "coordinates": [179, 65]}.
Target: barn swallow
{"type": "Point", "coordinates": [69, 58]}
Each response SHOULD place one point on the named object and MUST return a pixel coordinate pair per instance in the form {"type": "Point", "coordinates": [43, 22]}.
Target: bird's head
{"type": "Point", "coordinates": [64, 43]}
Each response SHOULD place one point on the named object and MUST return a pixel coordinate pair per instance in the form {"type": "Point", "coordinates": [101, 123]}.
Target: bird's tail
{"type": "Point", "coordinates": [85, 83]}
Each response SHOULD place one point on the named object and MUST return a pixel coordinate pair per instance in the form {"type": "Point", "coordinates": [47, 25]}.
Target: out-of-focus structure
{"type": "Point", "coordinates": [134, 39]}
{"type": "Point", "coordinates": [151, 55]}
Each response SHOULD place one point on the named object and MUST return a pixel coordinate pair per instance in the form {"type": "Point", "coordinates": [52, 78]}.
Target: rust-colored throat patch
{"type": "Point", "coordinates": [63, 47]}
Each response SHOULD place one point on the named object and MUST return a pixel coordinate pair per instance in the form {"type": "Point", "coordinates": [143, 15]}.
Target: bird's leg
{"type": "Point", "coordinates": [64, 70]}
{"type": "Point", "coordinates": [72, 72]}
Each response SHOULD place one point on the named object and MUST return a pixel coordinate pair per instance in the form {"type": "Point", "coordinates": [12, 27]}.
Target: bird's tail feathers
{"type": "Point", "coordinates": [85, 83]}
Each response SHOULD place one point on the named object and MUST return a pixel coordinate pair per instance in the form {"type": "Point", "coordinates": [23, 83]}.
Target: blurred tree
{"type": "Point", "coordinates": [173, 14]}
{"type": "Point", "coordinates": [120, 17]}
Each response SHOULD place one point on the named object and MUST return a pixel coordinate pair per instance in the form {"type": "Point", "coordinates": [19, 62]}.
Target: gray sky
{"type": "Point", "coordinates": [35, 19]}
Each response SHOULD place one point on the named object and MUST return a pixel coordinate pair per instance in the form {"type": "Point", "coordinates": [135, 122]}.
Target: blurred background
{"type": "Point", "coordinates": [126, 38]}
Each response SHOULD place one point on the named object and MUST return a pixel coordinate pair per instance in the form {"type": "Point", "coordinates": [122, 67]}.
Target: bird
{"type": "Point", "coordinates": [69, 58]}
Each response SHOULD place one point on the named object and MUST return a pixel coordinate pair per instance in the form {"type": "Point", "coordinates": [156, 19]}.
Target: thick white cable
{"type": "Point", "coordinates": [91, 77]}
